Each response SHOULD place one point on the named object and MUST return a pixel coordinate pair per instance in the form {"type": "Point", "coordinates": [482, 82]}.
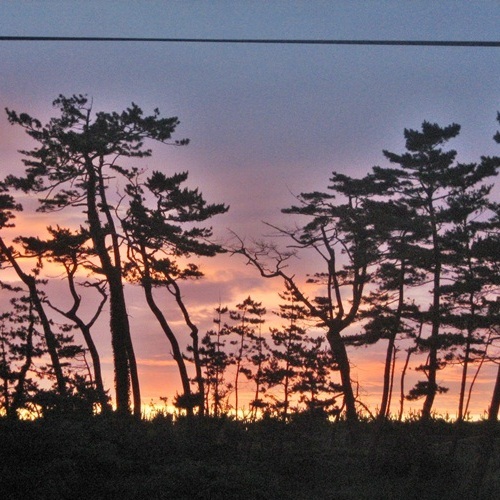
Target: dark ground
{"type": "Point", "coordinates": [309, 458]}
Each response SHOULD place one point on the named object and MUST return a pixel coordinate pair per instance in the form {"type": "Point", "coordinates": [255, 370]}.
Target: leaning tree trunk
{"type": "Point", "coordinates": [194, 343]}
{"type": "Point", "coordinates": [20, 390]}
{"type": "Point", "coordinates": [463, 381]}
{"type": "Point", "coordinates": [389, 360]}
{"type": "Point", "coordinates": [174, 344]}
{"type": "Point", "coordinates": [49, 336]}
{"type": "Point", "coordinates": [85, 329]}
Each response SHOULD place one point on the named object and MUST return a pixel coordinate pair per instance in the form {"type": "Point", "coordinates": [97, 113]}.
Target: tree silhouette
{"type": "Point", "coordinates": [314, 380]}
{"type": "Point", "coordinates": [20, 346]}
{"type": "Point", "coordinates": [76, 158]}
{"type": "Point", "coordinates": [257, 356]}
{"type": "Point", "coordinates": [469, 280]}
{"type": "Point", "coordinates": [390, 313]}
{"type": "Point", "coordinates": [347, 237]}
{"type": "Point", "coordinates": [8, 256]}
{"type": "Point", "coordinates": [68, 249]}
{"type": "Point", "coordinates": [286, 351]}
{"type": "Point", "coordinates": [215, 361]}
{"type": "Point", "coordinates": [248, 314]}
{"type": "Point", "coordinates": [158, 235]}
{"type": "Point", "coordinates": [425, 175]}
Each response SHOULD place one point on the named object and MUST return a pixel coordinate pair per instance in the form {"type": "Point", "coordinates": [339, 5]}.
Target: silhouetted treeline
{"type": "Point", "coordinates": [407, 255]}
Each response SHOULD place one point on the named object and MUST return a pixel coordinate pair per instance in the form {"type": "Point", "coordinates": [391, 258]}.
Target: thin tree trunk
{"type": "Point", "coordinates": [410, 351]}
{"type": "Point", "coordinates": [85, 328]}
{"type": "Point", "coordinates": [470, 333]}
{"type": "Point", "coordinates": [436, 321]}
{"type": "Point", "coordinates": [463, 381]}
{"type": "Point", "coordinates": [402, 384]}
{"type": "Point", "coordinates": [286, 389]}
{"type": "Point", "coordinates": [19, 393]}
{"type": "Point", "coordinates": [237, 376]}
{"type": "Point", "coordinates": [50, 338]}
{"type": "Point", "coordinates": [389, 364]}
{"type": "Point", "coordinates": [217, 374]}
{"type": "Point", "coordinates": [134, 374]}
{"type": "Point", "coordinates": [194, 342]}
{"type": "Point", "coordinates": [393, 371]}
{"type": "Point", "coordinates": [176, 350]}
{"type": "Point", "coordinates": [5, 385]}
{"type": "Point", "coordinates": [387, 377]}
{"type": "Point", "coordinates": [258, 375]}
{"type": "Point", "coordinates": [473, 381]}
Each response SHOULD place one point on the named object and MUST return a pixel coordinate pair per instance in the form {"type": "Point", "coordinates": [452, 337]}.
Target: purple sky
{"type": "Point", "coordinates": [265, 121]}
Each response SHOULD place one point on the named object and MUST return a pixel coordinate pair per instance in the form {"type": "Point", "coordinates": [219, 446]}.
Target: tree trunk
{"type": "Point", "coordinates": [119, 325]}
{"type": "Point", "coordinates": [463, 381]}
{"type": "Point", "coordinates": [50, 338]}
{"type": "Point", "coordinates": [495, 400]}
{"type": "Point", "coordinates": [19, 393]}
{"type": "Point", "coordinates": [195, 344]}
{"type": "Point", "coordinates": [387, 377]}
{"type": "Point", "coordinates": [176, 350]}
{"type": "Point", "coordinates": [116, 272]}
{"type": "Point", "coordinates": [436, 321]}
{"type": "Point", "coordinates": [402, 384]}
{"type": "Point", "coordinates": [238, 366]}
{"type": "Point", "coordinates": [409, 352]}
{"type": "Point", "coordinates": [389, 357]}
{"type": "Point", "coordinates": [339, 351]}
{"type": "Point", "coordinates": [391, 388]}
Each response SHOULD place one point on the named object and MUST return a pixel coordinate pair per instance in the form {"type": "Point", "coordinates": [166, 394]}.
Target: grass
{"type": "Point", "coordinates": [307, 458]}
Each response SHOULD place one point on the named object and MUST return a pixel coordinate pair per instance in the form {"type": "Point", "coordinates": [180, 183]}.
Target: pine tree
{"type": "Point", "coordinates": [425, 177]}
{"type": "Point", "coordinates": [21, 347]}
{"type": "Point", "coordinates": [68, 249]}
{"type": "Point", "coordinates": [77, 156]}
{"type": "Point", "coordinates": [159, 234]}
{"type": "Point", "coordinates": [346, 235]}
{"type": "Point", "coordinates": [286, 351]}
{"type": "Point", "coordinates": [469, 282]}
{"type": "Point", "coordinates": [247, 314]}
{"type": "Point", "coordinates": [215, 361]}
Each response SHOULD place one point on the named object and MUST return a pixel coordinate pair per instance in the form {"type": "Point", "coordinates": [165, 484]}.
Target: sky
{"type": "Point", "coordinates": [265, 122]}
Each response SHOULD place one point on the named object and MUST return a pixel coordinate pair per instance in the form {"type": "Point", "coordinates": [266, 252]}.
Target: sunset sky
{"type": "Point", "coordinates": [265, 121]}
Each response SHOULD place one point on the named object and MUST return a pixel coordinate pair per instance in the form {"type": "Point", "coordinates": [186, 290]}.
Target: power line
{"type": "Point", "coordinates": [269, 41]}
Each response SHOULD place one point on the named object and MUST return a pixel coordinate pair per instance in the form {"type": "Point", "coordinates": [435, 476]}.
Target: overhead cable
{"type": "Point", "coordinates": [264, 41]}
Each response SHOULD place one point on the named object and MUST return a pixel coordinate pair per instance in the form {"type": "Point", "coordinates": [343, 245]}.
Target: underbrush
{"type": "Point", "coordinates": [106, 457]}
